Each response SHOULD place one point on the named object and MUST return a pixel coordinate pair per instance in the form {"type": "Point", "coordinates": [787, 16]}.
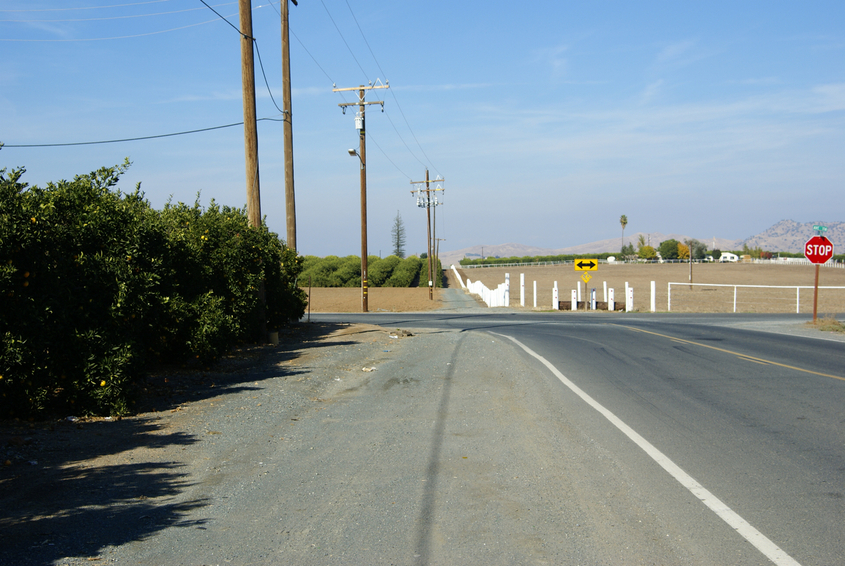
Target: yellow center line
{"type": "Point", "coordinates": [752, 360]}
{"type": "Point", "coordinates": [744, 356]}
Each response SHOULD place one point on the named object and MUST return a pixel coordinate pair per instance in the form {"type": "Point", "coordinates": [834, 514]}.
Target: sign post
{"type": "Point", "coordinates": [818, 250]}
{"type": "Point", "coordinates": [586, 265]}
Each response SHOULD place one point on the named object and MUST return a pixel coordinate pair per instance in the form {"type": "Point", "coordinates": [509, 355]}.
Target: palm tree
{"type": "Point", "coordinates": [623, 220]}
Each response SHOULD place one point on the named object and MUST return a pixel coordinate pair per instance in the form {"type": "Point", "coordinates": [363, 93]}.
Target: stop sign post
{"type": "Point", "coordinates": [818, 250]}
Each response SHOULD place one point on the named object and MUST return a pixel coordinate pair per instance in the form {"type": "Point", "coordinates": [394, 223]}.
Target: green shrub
{"type": "Point", "coordinates": [348, 273]}
{"type": "Point", "coordinates": [321, 271]}
{"type": "Point", "coordinates": [405, 273]}
{"type": "Point", "coordinates": [438, 273]}
{"type": "Point", "coordinates": [381, 270]}
{"type": "Point", "coordinates": [95, 284]}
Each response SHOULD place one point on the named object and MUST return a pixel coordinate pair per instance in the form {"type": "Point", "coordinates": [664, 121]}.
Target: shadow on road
{"type": "Point", "coordinates": [57, 503]}
{"type": "Point", "coordinates": [427, 515]}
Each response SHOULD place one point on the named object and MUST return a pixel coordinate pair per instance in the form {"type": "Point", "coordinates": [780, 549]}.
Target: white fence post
{"type": "Point", "coordinates": [611, 303]}
{"type": "Point", "coordinates": [593, 299]}
{"type": "Point", "coordinates": [522, 289]}
{"type": "Point", "coordinates": [574, 304]}
{"type": "Point", "coordinates": [555, 301]}
{"type": "Point", "coordinates": [669, 299]}
{"type": "Point", "coordinates": [507, 300]}
{"type": "Point", "coordinates": [653, 298]}
{"type": "Point", "coordinates": [629, 300]}
{"type": "Point", "coordinates": [535, 294]}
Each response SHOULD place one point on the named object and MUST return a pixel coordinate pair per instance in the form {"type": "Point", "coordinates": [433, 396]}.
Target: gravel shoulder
{"type": "Point", "coordinates": [76, 487]}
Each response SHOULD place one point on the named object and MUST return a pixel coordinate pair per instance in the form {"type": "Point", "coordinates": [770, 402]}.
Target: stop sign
{"type": "Point", "coordinates": [818, 249]}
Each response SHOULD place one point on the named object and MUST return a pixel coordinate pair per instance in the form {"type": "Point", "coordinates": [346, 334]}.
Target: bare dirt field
{"type": "Point", "coordinates": [684, 298]}
{"type": "Point", "coordinates": [380, 299]}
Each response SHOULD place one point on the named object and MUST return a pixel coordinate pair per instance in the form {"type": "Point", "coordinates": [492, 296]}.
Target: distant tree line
{"type": "Point", "coordinates": [533, 259]}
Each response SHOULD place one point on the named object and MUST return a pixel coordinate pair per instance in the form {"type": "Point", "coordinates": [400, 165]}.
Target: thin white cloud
{"type": "Point", "coordinates": [680, 54]}
{"type": "Point", "coordinates": [760, 81]}
{"type": "Point", "coordinates": [651, 91]}
{"type": "Point", "coordinates": [553, 59]}
{"type": "Point", "coordinates": [674, 51]}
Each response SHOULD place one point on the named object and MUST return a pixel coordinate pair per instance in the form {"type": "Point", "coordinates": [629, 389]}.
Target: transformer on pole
{"type": "Point", "coordinates": [360, 125]}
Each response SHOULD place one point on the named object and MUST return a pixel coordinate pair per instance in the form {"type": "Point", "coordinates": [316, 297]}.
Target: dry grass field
{"type": "Point", "coordinates": [684, 298]}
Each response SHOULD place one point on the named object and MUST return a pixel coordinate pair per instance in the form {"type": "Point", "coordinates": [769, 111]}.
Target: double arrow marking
{"type": "Point", "coordinates": [587, 265]}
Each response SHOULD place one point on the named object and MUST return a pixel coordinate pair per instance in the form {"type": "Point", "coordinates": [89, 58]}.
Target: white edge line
{"type": "Point", "coordinates": [772, 551]}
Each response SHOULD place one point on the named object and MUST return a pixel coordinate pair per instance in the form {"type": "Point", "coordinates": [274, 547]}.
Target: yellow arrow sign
{"type": "Point", "coordinates": [586, 265]}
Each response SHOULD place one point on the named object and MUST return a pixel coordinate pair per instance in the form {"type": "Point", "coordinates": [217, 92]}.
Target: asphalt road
{"type": "Point", "coordinates": [748, 408]}
{"type": "Point", "coordinates": [507, 438]}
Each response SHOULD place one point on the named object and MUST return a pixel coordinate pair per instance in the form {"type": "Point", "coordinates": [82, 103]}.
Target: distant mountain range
{"type": "Point", "coordinates": [785, 236]}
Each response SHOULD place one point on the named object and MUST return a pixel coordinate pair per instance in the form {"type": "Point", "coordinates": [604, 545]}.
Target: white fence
{"type": "Point", "coordinates": [762, 294]}
{"type": "Point", "coordinates": [498, 297]}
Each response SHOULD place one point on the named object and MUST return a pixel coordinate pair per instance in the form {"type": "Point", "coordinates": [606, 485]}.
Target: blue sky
{"type": "Point", "coordinates": [548, 120]}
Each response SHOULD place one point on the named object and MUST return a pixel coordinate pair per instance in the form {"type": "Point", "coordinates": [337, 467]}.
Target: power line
{"type": "Point", "coordinates": [372, 139]}
{"type": "Point", "coordinates": [257, 51]}
{"type": "Point", "coordinates": [141, 138]}
{"type": "Point", "coordinates": [112, 38]}
{"type": "Point", "coordinates": [222, 18]}
{"type": "Point", "coordinates": [392, 94]}
{"type": "Point", "coordinates": [314, 59]}
{"type": "Point", "coordinates": [306, 49]}
{"type": "Point", "coordinates": [261, 64]}
{"type": "Point", "coordinates": [84, 8]}
{"type": "Point", "coordinates": [114, 17]}
{"type": "Point", "coordinates": [344, 39]}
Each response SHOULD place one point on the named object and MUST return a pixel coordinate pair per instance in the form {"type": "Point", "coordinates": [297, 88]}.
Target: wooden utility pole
{"type": "Point", "coordinates": [290, 202]}
{"type": "Point", "coordinates": [437, 246]}
{"type": "Point", "coordinates": [362, 153]}
{"type": "Point", "coordinates": [253, 192]}
{"type": "Point", "coordinates": [360, 124]}
{"type": "Point", "coordinates": [430, 259]}
{"type": "Point", "coordinates": [427, 203]}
